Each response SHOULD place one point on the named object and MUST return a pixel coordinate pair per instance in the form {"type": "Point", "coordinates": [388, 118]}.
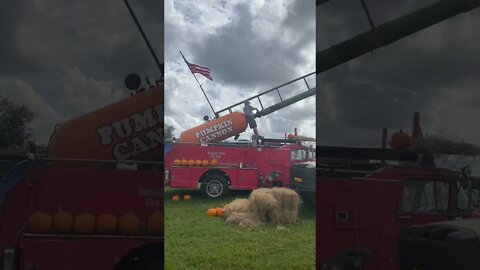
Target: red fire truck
{"type": "Point", "coordinates": [236, 166]}
{"type": "Point", "coordinates": [84, 174]}
{"type": "Point", "coordinates": [370, 219]}
{"type": "Point", "coordinates": [199, 157]}
{"type": "Point", "coordinates": [376, 215]}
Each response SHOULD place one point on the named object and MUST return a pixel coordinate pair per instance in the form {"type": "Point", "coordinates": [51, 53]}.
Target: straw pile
{"type": "Point", "coordinates": [438, 145]}
{"type": "Point", "coordinates": [278, 206]}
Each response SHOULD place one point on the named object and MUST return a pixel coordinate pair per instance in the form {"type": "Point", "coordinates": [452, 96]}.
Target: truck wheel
{"type": "Point", "coordinates": [214, 186]}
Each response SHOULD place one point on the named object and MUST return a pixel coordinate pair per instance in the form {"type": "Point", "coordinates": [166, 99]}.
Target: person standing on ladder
{"type": "Point", "coordinates": [248, 111]}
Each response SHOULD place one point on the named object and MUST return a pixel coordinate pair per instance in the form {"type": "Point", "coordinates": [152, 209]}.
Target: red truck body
{"type": "Point", "coordinates": [240, 166]}
{"type": "Point", "coordinates": [77, 190]}
{"type": "Point", "coordinates": [360, 215]}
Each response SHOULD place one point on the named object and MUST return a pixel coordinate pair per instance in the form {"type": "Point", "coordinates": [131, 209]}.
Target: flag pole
{"type": "Point", "coordinates": [160, 66]}
{"type": "Point", "coordinates": [186, 62]}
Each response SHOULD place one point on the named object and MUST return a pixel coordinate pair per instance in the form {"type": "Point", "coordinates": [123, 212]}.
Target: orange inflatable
{"type": "Point", "coordinates": [216, 130]}
{"type": "Point", "coordinates": [131, 129]}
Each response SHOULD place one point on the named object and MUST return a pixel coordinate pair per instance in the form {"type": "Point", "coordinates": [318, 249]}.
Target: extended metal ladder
{"type": "Point", "coordinates": [282, 103]}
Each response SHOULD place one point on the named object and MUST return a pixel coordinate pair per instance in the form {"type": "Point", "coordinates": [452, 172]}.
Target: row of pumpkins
{"type": "Point", "coordinates": [195, 162]}
{"type": "Point", "coordinates": [219, 212]}
{"type": "Point", "coordinates": [86, 223]}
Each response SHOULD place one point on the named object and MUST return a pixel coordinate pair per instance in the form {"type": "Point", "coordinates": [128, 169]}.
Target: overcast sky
{"type": "Point", "coordinates": [251, 47]}
{"type": "Point", "coordinates": [434, 72]}
{"type": "Point", "coordinates": [65, 58]}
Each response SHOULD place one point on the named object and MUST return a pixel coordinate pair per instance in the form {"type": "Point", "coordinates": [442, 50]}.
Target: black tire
{"type": "Point", "coordinates": [214, 186]}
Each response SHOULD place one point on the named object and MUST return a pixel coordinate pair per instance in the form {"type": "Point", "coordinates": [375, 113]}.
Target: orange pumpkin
{"type": "Point", "coordinates": [213, 162]}
{"type": "Point", "coordinates": [198, 162]}
{"type": "Point", "coordinates": [176, 162]}
{"type": "Point", "coordinates": [400, 140]}
{"type": "Point", "coordinates": [40, 222]}
{"type": "Point", "coordinates": [129, 224]}
{"type": "Point", "coordinates": [107, 223]}
{"type": "Point", "coordinates": [155, 223]}
{"type": "Point", "coordinates": [211, 212]}
{"type": "Point", "coordinates": [205, 163]}
{"type": "Point", "coordinates": [62, 222]}
{"type": "Point", "coordinates": [175, 198]}
{"type": "Point", "coordinates": [187, 197]}
{"type": "Point", "coordinates": [220, 212]}
{"type": "Point", "coordinates": [191, 162]}
{"type": "Point", "coordinates": [84, 223]}
{"type": "Point", "coordinates": [184, 162]}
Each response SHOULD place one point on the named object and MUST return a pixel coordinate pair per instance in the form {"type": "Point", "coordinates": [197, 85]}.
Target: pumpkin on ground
{"type": "Point", "coordinates": [220, 212]}
{"type": "Point", "coordinates": [84, 223]}
{"type": "Point", "coordinates": [211, 212]}
{"type": "Point", "coordinates": [129, 224]}
{"type": "Point", "coordinates": [107, 223]}
{"type": "Point", "coordinates": [400, 140]}
{"type": "Point", "coordinates": [213, 162]}
{"type": "Point", "coordinates": [62, 222]}
{"type": "Point", "coordinates": [187, 197]}
{"type": "Point", "coordinates": [175, 198]}
{"type": "Point", "coordinates": [40, 222]}
{"type": "Point", "coordinates": [155, 223]}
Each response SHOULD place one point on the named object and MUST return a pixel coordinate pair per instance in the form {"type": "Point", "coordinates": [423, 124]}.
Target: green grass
{"type": "Point", "coordinates": [195, 241]}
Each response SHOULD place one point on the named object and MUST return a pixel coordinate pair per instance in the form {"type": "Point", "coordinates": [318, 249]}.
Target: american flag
{"type": "Point", "coordinates": [199, 69]}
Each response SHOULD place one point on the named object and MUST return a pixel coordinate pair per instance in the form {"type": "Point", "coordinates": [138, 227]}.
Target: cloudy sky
{"type": "Point", "coordinates": [434, 72]}
{"type": "Point", "coordinates": [251, 47]}
{"type": "Point", "coordinates": [63, 58]}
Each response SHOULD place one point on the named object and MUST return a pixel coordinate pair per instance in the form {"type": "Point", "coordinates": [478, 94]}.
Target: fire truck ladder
{"type": "Point", "coordinates": [282, 103]}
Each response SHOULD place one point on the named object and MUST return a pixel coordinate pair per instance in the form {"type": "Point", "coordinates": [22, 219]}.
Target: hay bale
{"type": "Point", "coordinates": [244, 220]}
{"type": "Point", "coordinates": [237, 206]}
{"type": "Point", "coordinates": [288, 198]}
{"type": "Point", "coordinates": [288, 216]}
{"type": "Point", "coordinates": [289, 204]}
{"type": "Point", "coordinates": [278, 206]}
{"type": "Point", "coordinates": [264, 205]}
{"type": "Point", "coordinates": [439, 145]}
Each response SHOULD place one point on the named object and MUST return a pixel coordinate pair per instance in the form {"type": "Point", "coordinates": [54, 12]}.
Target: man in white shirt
{"type": "Point", "coordinates": [248, 111]}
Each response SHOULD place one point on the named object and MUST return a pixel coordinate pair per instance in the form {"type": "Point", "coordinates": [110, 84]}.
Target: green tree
{"type": "Point", "coordinates": [14, 119]}
{"type": "Point", "coordinates": [168, 132]}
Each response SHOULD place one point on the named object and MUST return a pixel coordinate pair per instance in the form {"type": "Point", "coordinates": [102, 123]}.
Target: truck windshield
{"type": "Point", "coordinates": [423, 196]}
{"type": "Point", "coordinates": [298, 154]}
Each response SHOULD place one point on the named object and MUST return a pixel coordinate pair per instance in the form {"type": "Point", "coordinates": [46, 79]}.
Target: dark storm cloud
{"type": "Point", "coordinates": [241, 58]}
{"type": "Point", "coordinates": [71, 57]}
{"type": "Point", "coordinates": [432, 72]}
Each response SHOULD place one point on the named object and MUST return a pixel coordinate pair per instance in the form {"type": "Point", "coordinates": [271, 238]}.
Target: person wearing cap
{"type": "Point", "coordinates": [248, 111]}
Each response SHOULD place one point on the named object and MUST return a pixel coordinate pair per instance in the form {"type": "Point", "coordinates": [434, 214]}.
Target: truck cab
{"type": "Point", "coordinates": [362, 213]}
